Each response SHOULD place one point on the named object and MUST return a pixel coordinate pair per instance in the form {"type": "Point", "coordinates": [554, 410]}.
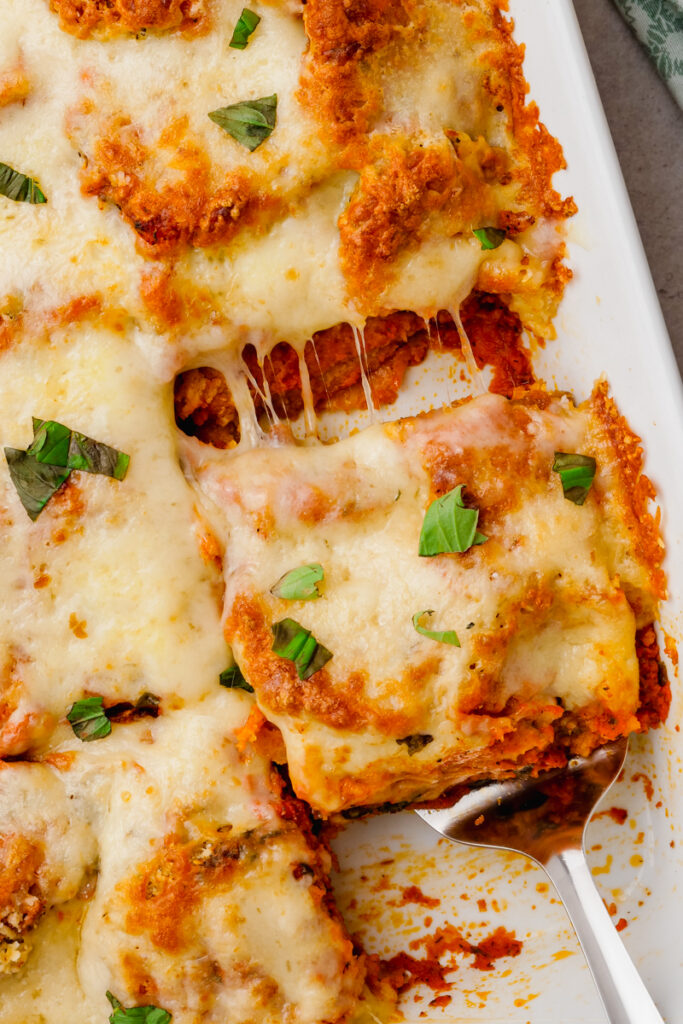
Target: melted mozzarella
{"type": "Point", "coordinates": [540, 609]}
{"type": "Point", "coordinates": [253, 943]}
{"type": "Point", "coordinates": [106, 592]}
{"type": "Point", "coordinates": [283, 281]}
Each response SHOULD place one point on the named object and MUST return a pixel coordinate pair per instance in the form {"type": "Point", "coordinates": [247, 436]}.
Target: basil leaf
{"type": "Point", "coordinates": [50, 442]}
{"type": "Point", "coordinates": [490, 238]}
{"type": "Point", "coordinates": [448, 526]}
{"type": "Point", "coordinates": [446, 636]}
{"type": "Point", "coordinates": [18, 187]}
{"type": "Point", "coordinates": [234, 680]}
{"type": "Point", "coordinates": [577, 473]}
{"type": "Point", "coordinates": [299, 584]}
{"type": "Point", "coordinates": [35, 483]}
{"type": "Point", "coordinates": [148, 704]}
{"type": "Point", "coordinates": [54, 451]}
{"type": "Point", "coordinates": [292, 641]}
{"type": "Point", "coordinates": [138, 1014]}
{"type": "Point", "coordinates": [417, 742]}
{"type": "Point", "coordinates": [95, 457]}
{"type": "Point", "coordinates": [58, 445]}
{"type": "Point", "coordinates": [249, 122]}
{"type": "Point", "coordinates": [88, 719]}
{"type": "Point", "coordinates": [245, 26]}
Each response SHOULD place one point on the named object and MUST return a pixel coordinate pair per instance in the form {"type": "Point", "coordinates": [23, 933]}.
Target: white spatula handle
{"type": "Point", "coordinates": [625, 998]}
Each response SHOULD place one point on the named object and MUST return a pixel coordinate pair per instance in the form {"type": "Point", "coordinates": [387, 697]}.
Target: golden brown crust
{"type": "Point", "coordinates": [106, 19]}
{"type": "Point", "coordinates": [337, 82]}
{"type": "Point", "coordinates": [632, 490]}
{"type": "Point", "coordinates": [164, 895]}
{"type": "Point", "coordinates": [21, 899]}
{"type": "Point", "coordinates": [507, 86]}
{"type": "Point", "coordinates": [15, 85]}
{"type": "Point", "coordinates": [405, 185]}
{"type": "Point", "coordinates": [190, 210]}
{"type": "Point", "coordinates": [400, 189]}
{"type": "Point", "coordinates": [342, 705]}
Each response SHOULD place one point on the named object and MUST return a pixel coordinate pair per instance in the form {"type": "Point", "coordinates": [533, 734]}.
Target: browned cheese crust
{"type": "Point", "coordinates": [105, 19]}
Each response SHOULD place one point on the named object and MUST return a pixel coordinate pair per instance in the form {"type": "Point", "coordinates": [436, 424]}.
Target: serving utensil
{"type": "Point", "coordinates": [545, 818]}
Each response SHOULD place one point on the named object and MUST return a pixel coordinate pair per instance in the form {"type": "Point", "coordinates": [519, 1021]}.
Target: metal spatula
{"type": "Point", "coordinates": [545, 818]}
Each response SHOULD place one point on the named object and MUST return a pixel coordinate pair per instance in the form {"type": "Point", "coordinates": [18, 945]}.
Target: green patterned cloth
{"type": "Point", "coordinates": [659, 26]}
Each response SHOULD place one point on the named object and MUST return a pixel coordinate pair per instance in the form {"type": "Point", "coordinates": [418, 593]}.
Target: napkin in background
{"type": "Point", "coordinates": [659, 26]}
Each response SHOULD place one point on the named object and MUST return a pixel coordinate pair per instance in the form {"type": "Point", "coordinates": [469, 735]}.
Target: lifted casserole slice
{"type": "Point", "coordinates": [405, 644]}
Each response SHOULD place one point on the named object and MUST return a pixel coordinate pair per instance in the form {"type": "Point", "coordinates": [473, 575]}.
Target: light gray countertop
{"type": "Point", "coordinates": [647, 128]}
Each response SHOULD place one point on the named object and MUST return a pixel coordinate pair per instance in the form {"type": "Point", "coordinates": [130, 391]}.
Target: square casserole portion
{"type": "Point", "coordinates": [169, 866]}
{"type": "Point", "coordinates": [547, 611]}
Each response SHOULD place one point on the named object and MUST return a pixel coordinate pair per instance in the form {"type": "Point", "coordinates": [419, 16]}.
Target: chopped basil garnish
{"type": "Point", "coordinates": [35, 482]}
{"type": "Point", "coordinates": [18, 187]}
{"type": "Point", "coordinates": [58, 445]}
{"type": "Point", "coordinates": [55, 450]}
{"type": "Point", "coordinates": [577, 473]}
{"type": "Point", "coordinates": [136, 1014]}
{"type": "Point", "coordinates": [449, 526]}
{"type": "Point", "coordinates": [292, 641]}
{"type": "Point", "coordinates": [233, 679]}
{"type": "Point", "coordinates": [88, 719]}
{"type": "Point", "coordinates": [490, 238]}
{"type": "Point", "coordinates": [249, 122]}
{"type": "Point", "coordinates": [417, 742]}
{"type": "Point", "coordinates": [146, 705]}
{"type": "Point", "coordinates": [299, 584]}
{"type": "Point", "coordinates": [245, 26]}
{"type": "Point", "coordinates": [446, 636]}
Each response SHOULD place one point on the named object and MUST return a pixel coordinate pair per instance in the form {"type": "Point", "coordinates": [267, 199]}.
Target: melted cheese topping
{"type": "Point", "coordinates": [164, 862]}
{"type": "Point", "coordinates": [208, 900]}
{"type": "Point", "coordinates": [107, 592]}
{"type": "Point", "coordinates": [545, 611]}
{"type": "Point", "coordinates": [248, 245]}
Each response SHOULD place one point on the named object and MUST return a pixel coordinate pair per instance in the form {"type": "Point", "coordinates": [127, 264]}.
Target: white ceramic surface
{"type": "Point", "coordinates": [610, 324]}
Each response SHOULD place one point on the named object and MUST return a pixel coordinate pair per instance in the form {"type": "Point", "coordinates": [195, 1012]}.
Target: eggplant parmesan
{"type": "Point", "coordinates": [398, 167]}
{"type": "Point", "coordinates": [216, 220]}
{"type": "Point", "coordinates": [211, 899]}
{"type": "Point", "coordinates": [481, 573]}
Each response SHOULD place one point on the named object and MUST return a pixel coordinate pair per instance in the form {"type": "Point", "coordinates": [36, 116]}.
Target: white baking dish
{"type": "Point", "coordinates": [610, 323]}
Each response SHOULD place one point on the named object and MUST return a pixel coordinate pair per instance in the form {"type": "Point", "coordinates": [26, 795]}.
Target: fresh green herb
{"type": "Point", "coordinates": [490, 238]}
{"type": "Point", "coordinates": [449, 526]}
{"type": "Point", "coordinates": [136, 1014]}
{"type": "Point", "coordinates": [577, 473]}
{"type": "Point", "coordinates": [55, 450]}
{"type": "Point", "coordinates": [233, 679]}
{"type": "Point", "coordinates": [147, 704]}
{"type": "Point", "coordinates": [249, 122]}
{"type": "Point", "coordinates": [35, 482]}
{"type": "Point", "coordinates": [299, 584]}
{"type": "Point", "coordinates": [245, 26]}
{"type": "Point", "coordinates": [18, 187]}
{"type": "Point", "coordinates": [445, 636]}
{"type": "Point", "coordinates": [88, 719]}
{"type": "Point", "coordinates": [57, 445]}
{"type": "Point", "coordinates": [417, 742]}
{"type": "Point", "coordinates": [292, 641]}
